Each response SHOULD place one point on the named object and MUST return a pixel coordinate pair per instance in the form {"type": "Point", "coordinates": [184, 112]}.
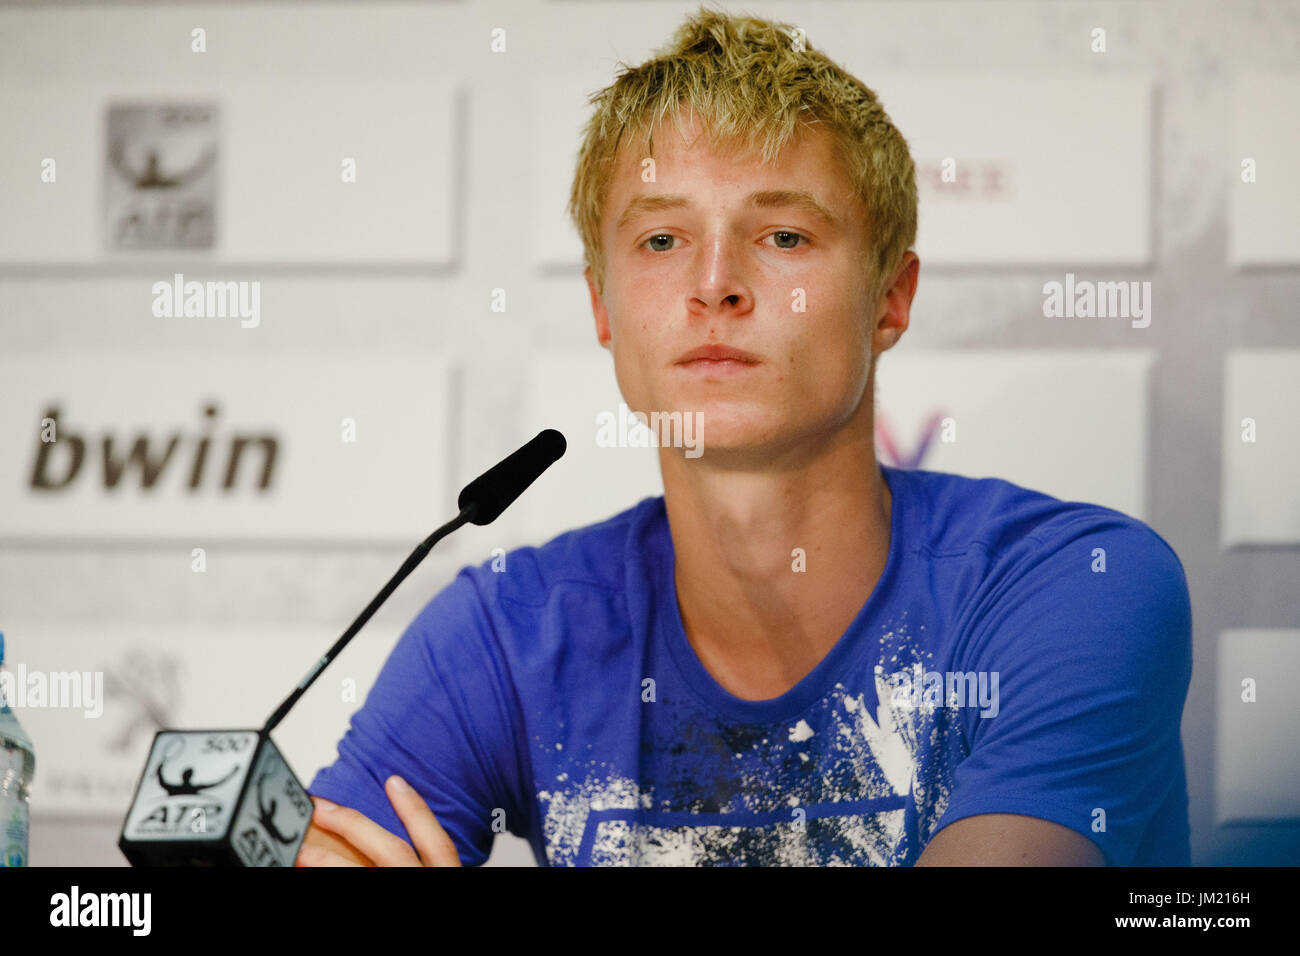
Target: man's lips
{"type": "Point", "coordinates": [718, 356]}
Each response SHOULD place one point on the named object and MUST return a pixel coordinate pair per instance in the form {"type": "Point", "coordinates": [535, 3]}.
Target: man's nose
{"type": "Point", "coordinates": [720, 285]}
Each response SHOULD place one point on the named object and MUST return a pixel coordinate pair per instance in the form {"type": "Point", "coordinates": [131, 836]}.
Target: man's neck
{"type": "Point", "coordinates": [757, 622]}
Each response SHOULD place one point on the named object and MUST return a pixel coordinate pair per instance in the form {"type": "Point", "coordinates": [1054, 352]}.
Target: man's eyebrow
{"type": "Point", "coordinates": [794, 198]}
{"type": "Point", "coordinates": [764, 199]}
{"type": "Point", "coordinates": [654, 203]}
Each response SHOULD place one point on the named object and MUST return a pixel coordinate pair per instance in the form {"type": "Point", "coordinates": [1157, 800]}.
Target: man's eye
{"type": "Point", "coordinates": [785, 240]}
{"type": "Point", "coordinates": [785, 235]}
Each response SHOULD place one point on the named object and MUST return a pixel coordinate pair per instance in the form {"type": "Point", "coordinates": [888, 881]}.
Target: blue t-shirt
{"type": "Point", "coordinates": [1019, 654]}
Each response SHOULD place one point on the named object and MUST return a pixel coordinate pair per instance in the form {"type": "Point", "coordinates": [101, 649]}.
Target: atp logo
{"type": "Point", "coordinates": [160, 175]}
{"type": "Point", "coordinates": [887, 442]}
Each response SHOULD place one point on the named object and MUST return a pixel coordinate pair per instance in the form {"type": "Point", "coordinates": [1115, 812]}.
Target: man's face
{"type": "Point", "coordinates": [728, 260]}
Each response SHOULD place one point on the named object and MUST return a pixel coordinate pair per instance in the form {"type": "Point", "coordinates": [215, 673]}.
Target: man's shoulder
{"type": "Point", "coordinates": [955, 513]}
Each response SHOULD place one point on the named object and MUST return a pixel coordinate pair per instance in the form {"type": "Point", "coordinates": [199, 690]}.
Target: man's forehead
{"type": "Point", "coordinates": [807, 175]}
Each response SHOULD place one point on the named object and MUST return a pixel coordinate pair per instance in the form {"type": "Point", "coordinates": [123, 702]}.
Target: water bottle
{"type": "Point", "coordinates": [17, 767]}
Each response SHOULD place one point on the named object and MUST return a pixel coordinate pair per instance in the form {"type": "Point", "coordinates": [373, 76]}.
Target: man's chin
{"type": "Point", "coordinates": [732, 445]}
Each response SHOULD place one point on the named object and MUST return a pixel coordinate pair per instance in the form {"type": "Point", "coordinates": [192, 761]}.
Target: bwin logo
{"type": "Point", "coordinates": [102, 909]}
{"type": "Point", "coordinates": [150, 462]}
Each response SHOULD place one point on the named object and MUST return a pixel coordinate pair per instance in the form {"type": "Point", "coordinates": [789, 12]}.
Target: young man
{"type": "Point", "coordinates": [795, 656]}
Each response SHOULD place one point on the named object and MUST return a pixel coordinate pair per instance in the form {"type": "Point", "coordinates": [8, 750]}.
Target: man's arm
{"type": "Point", "coordinates": [442, 716]}
{"type": "Point", "coordinates": [1081, 748]}
{"type": "Point", "coordinates": [1008, 839]}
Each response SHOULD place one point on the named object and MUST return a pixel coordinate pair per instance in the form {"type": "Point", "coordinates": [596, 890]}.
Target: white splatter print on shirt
{"type": "Point", "coordinates": [843, 784]}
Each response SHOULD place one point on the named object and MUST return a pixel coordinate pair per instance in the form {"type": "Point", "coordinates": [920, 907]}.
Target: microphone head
{"type": "Point", "coordinates": [496, 489]}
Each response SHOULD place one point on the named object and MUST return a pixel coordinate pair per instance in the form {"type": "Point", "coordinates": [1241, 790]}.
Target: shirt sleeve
{"type": "Point", "coordinates": [442, 715]}
{"type": "Point", "coordinates": [1093, 668]}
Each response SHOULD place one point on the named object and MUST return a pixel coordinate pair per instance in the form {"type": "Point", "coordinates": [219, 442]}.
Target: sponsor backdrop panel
{"type": "Point", "coordinates": [1064, 176]}
{"type": "Point", "coordinates": [1257, 777]}
{"type": "Point", "coordinates": [1261, 447]}
{"type": "Point", "coordinates": [215, 170]}
{"type": "Point", "coordinates": [93, 696]}
{"type": "Point", "coordinates": [609, 467]}
{"type": "Point", "coordinates": [556, 121]}
{"type": "Point", "coordinates": [255, 448]}
{"type": "Point", "coordinates": [1264, 152]}
{"type": "Point", "coordinates": [1071, 424]}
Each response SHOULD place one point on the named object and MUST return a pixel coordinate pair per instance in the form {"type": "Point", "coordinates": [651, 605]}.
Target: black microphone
{"type": "Point", "coordinates": [228, 797]}
{"type": "Point", "coordinates": [496, 489]}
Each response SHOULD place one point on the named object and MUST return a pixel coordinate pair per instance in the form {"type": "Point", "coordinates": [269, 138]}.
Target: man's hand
{"type": "Point", "coordinates": [341, 836]}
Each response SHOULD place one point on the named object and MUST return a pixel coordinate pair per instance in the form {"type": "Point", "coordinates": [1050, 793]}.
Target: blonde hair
{"type": "Point", "coordinates": [754, 91]}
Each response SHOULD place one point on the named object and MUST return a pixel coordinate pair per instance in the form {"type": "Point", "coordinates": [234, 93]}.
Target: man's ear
{"type": "Point", "coordinates": [603, 334]}
{"type": "Point", "coordinates": [894, 310]}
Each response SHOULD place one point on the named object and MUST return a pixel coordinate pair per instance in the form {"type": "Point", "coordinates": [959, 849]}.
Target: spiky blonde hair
{"type": "Point", "coordinates": [753, 90]}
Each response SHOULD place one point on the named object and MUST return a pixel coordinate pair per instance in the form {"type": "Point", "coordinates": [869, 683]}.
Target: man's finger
{"type": "Point", "coordinates": [335, 844]}
{"type": "Point", "coordinates": [435, 846]}
{"type": "Point", "coordinates": [367, 836]}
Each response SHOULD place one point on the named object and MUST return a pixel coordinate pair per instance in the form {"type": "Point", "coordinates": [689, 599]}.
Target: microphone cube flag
{"type": "Point", "coordinates": [215, 798]}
